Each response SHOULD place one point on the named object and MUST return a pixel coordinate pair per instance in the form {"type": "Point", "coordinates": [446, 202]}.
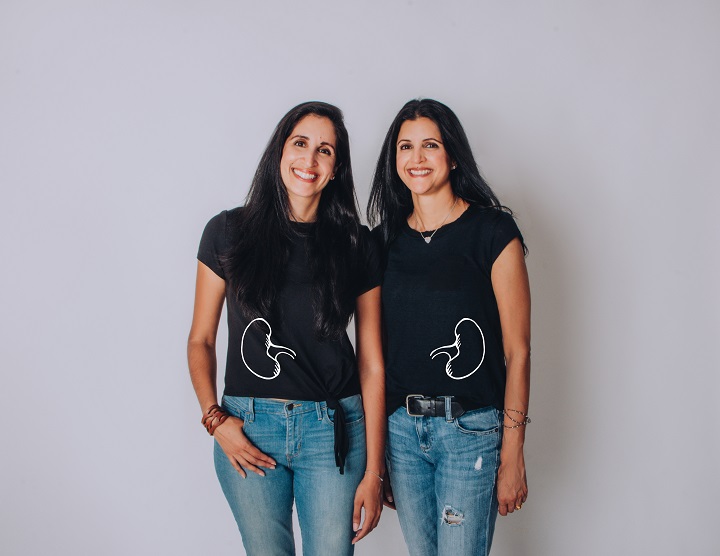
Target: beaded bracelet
{"type": "Point", "coordinates": [518, 424]}
{"type": "Point", "coordinates": [213, 418]}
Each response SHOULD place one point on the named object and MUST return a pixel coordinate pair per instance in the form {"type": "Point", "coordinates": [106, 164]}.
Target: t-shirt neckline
{"type": "Point", "coordinates": [443, 229]}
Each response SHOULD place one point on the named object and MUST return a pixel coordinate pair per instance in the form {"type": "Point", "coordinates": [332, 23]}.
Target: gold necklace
{"type": "Point", "coordinates": [428, 239]}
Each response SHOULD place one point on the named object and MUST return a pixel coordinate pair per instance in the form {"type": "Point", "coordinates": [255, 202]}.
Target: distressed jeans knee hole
{"type": "Point", "coordinates": [452, 517]}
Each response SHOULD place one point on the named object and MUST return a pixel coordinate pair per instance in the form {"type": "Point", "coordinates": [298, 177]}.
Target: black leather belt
{"type": "Point", "coordinates": [418, 405]}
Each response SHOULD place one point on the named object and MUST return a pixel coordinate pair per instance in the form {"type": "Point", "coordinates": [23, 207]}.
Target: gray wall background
{"type": "Point", "coordinates": [124, 126]}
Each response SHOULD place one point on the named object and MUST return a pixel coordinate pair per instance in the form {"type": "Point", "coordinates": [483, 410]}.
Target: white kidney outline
{"type": "Point", "coordinates": [447, 350]}
{"type": "Point", "coordinates": [280, 350]}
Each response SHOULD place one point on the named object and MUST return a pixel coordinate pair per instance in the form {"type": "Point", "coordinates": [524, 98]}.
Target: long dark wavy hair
{"type": "Point", "coordinates": [262, 234]}
{"type": "Point", "coordinates": [390, 201]}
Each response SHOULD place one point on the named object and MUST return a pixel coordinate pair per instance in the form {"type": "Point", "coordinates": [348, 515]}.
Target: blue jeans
{"type": "Point", "coordinates": [443, 473]}
{"type": "Point", "coordinates": [299, 436]}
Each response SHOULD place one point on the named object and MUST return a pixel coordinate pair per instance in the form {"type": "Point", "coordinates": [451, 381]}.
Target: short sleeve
{"type": "Point", "coordinates": [213, 244]}
{"type": "Point", "coordinates": [370, 275]}
{"type": "Point", "coordinates": [504, 232]}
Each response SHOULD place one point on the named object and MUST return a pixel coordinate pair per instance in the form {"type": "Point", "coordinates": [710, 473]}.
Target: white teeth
{"type": "Point", "coordinates": [419, 172]}
{"type": "Point", "coordinates": [304, 175]}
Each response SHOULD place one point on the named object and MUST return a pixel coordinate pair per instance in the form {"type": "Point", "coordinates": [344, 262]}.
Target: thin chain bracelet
{"type": "Point", "coordinates": [373, 473]}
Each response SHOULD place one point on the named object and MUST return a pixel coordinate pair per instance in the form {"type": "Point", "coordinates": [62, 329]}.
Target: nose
{"type": "Point", "coordinates": [418, 155]}
{"type": "Point", "coordinates": [311, 158]}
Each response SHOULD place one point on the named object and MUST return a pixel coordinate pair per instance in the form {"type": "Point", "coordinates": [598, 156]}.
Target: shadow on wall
{"type": "Point", "coordinates": [554, 405]}
{"type": "Point", "coordinates": [551, 387]}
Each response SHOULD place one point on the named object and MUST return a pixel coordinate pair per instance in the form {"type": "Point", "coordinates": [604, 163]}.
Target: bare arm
{"type": "Point", "coordinates": [512, 291]}
{"type": "Point", "coordinates": [202, 361]}
{"type": "Point", "coordinates": [372, 383]}
{"type": "Point", "coordinates": [209, 299]}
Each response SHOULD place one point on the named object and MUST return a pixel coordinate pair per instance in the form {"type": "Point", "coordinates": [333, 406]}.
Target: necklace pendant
{"type": "Point", "coordinates": [427, 239]}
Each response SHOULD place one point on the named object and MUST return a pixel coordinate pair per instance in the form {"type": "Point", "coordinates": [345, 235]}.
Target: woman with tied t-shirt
{"type": "Point", "coordinates": [294, 264]}
{"type": "Point", "coordinates": [456, 310]}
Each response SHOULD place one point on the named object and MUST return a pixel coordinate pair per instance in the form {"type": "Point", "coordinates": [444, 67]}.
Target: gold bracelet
{"type": "Point", "coordinates": [376, 474]}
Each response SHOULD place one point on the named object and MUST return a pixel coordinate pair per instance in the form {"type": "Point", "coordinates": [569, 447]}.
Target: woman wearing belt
{"type": "Point", "coordinates": [456, 310]}
{"type": "Point", "coordinates": [294, 264]}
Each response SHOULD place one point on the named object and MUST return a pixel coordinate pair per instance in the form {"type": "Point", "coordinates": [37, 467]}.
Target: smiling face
{"type": "Point", "coordinates": [422, 162]}
{"type": "Point", "coordinates": [308, 161]}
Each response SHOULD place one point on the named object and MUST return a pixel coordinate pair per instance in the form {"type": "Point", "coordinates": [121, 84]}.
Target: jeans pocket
{"type": "Point", "coordinates": [236, 406]}
{"type": "Point", "coordinates": [484, 421]}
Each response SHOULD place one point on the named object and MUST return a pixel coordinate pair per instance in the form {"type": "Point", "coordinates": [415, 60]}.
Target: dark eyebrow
{"type": "Point", "coordinates": [308, 139]}
{"type": "Point", "coordinates": [427, 139]}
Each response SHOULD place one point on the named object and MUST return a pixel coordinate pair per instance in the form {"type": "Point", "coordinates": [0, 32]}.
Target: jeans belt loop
{"type": "Point", "coordinates": [448, 409]}
{"type": "Point", "coordinates": [319, 410]}
{"type": "Point", "coordinates": [251, 409]}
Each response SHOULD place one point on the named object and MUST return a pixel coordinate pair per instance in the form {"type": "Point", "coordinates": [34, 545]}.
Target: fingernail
{"type": "Point", "coordinates": [391, 499]}
{"type": "Point", "coordinates": [356, 526]}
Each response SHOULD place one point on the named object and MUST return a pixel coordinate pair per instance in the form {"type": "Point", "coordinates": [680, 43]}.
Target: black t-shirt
{"type": "Point", "coordinates": [272, 357]}
{"type": "Point", "coordinates": [442, 326]}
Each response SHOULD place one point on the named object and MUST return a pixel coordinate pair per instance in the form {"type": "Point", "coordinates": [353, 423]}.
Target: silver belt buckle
{"type": "Point", "coordinates": [407, 404]}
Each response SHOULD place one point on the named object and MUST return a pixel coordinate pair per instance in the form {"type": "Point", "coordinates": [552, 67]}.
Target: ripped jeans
{"type": "Point", "coordinates": [443, 473]}
{"type": "Point", "coordinates": [299, 436]}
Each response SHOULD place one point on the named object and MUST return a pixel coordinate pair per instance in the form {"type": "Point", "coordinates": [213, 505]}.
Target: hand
{"type": "Point", "coordinates": [388, 499]}
{"type": "Point", "coordinates": [368, 496]}
{"type": "Point", "coordinates": [241, 453]}
{"type": "Point", "coordinates": [512, 489]}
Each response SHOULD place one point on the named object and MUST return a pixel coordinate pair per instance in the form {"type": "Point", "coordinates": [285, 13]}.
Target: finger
{"type": "Point", "coordinates": [250, 458]}
{"type": "Point", "coordinates": [357, 514]}
{"type": "Point", "coordinates": [363, 531]}
{"type": "Point", "coordinates": [360, 534]}
{"type": "Point", "coordinates": [502, 508]}
{"type": "Point", "coordinates": [372, 517]}
{"type": "Point", "coordinates": [237, 467]}
{"type": "Point", "coordinates": [234, 440]}
{"type": "Point", "coordinates": [376, 518]}
{"type": "Point", "coordinates": [388, 499]}
{"type": "Point", "coordinates": [259, 457]}
{"type": "Point", "coordinates": [250, 467]}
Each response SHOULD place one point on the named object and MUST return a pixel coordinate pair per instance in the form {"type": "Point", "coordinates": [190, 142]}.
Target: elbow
{"type": "Point", "coordinates": [518, 355]}
{"type": "Point", "coordinates": [373, 373]}
{"type": "Point", "coordinates": [205, 344]}
{"type": "Point", "coordinates": [194, 341]}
